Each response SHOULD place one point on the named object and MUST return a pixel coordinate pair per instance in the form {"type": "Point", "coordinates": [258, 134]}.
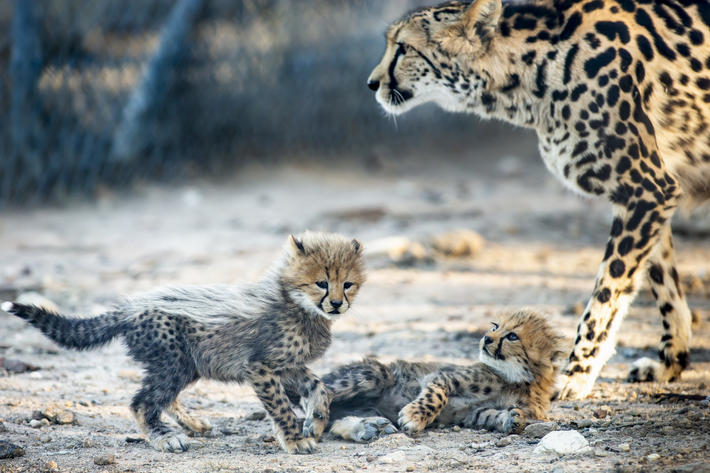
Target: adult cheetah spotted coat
{"type": "Point", "coordinates": [619, 94]}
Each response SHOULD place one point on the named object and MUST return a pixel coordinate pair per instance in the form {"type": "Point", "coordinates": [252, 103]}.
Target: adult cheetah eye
{"type": "Point", "coordinates": [347, 284]}
{"type": "Point", "coordinates": [322, 284]}
{"type": "Point", "coordinates": [512, 336]}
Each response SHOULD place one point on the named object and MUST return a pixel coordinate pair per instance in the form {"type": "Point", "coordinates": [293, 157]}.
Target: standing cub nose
{"type": "Point", "coordinates": [336, 304]}
{"type": "Point", "coordinates": [373, 84]}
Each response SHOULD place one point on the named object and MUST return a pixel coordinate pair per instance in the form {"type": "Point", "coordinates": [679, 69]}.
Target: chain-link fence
{"type": "Point", "coordinates": [105, 91]}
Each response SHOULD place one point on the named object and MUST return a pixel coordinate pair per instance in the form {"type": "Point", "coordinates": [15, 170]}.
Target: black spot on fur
{"type": "Point", "coordinates": [593, 65]}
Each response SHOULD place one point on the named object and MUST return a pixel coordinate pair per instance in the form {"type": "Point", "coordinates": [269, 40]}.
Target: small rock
{"type": "Point", "coordinates": [258, 415]}
{"type": "Point", "coordinates": [10, 450]}
{"type": "Point", "coordinates": [652, 457]}
{"type": "Point", "coordinates": [105, 460]}
{"type": "Point", "coordinates": [65, 417]}
{"type": "Point", "coordinates": [45, 438]}
{"type": "Point", "coordinates": [36, 424]}
{"type": "Point", "coordinates": [49, 467]}
{"type": "Point", "coordinates": [624, 447]}
{"type": "Point", "coordinates": [16, 366]}
{"type": "Point", "coordinates": [504, 442]}
{"type": "Point", "coordinates": [456, 428]}
{"type": "Point", "coordinates": [582, 423]}
{"type": "Point", "coordinates": [600, 452]}
{"type": "Point", "coordinates": [562, 442]}
{"type": "Point", "coordinates": [394, 457]}
{"type": "Point", "coordinates": [602, 412]}
{"type": "Point", "coordinates": [540, 429]}
{"type": "Point", "coordinates": [391, 442]}
{"type": "Point", "coordinates": [410, 468]}
{"type": "Point", "coordinates": [458, 243]}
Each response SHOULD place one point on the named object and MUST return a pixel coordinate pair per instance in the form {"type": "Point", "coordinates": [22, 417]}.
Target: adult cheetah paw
{"type": "Point", "coordinates": [575, 386]}
{"type": "Point", "coordinates": [170, 442]}
{"type": "Point", "coordinates": [645, 369]}
{"type": "Point", "coordinates": [411, 419]}
{"type": "Point", "coordinates": [362, 429]}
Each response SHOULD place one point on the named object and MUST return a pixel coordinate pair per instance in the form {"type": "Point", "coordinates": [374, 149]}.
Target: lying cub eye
{"type": "Point", "coordinates": [495, 326]}
{"type": "Point", "coordinates": [512, 337]}
{"type": "Point", "coordinates": [322, 284]}
{"type": "Point", "coordinates": [347, 284]}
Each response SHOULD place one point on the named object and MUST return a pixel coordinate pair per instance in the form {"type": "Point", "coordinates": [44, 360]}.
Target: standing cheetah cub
{"type": "Point", "coordinates": [262, 334]}
{"type": "Point", "coordinates": [512, 382]}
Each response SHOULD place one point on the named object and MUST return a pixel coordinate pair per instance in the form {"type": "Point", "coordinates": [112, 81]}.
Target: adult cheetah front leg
{"type": "Point", "coordinates": [675, 315]}
{"type": "Point", "coordinates": [645, 199]}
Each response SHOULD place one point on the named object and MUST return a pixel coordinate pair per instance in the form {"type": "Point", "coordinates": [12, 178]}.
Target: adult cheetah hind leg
{"type": "Point", "coordinates": [675, 316]}
{"type": "Point", "coordinates": [639, 219]}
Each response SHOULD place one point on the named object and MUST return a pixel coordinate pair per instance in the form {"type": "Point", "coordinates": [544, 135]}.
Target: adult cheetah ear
{"type": "Point", "coordinates": [357, 246]}
{"type": "Point", "coordinates": [296, 246]}
{"type": "Point", "coordinates": [481, 19]}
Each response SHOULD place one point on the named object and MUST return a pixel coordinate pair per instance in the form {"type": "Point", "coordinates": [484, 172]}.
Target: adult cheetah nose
{"type": "Point", "coordinates": [487, 340]}
{"type": "Point", "coordinates": [373, 85]}
{"type": "Point", "coordinates": [336, 304]}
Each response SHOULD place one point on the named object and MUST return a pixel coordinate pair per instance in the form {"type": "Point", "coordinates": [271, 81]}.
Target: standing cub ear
{"type": "Point", "coordinates": [480, 21]}
{"type": "Point", "coordinates": [357, 246]}
{"type": "Point", "coordinates": [296, 246]}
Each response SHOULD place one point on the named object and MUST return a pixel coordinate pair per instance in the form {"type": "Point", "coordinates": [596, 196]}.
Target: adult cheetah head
{"type": "Point", "coordinates": [323, 272]}
{"type": "Point", "coordinates": [522, 348]}
{"type": "Point", "coordinates": [429, 53]}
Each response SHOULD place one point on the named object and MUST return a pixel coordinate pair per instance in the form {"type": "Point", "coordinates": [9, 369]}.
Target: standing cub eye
{"type": "Point", "coordinates": [512, 336]}
{"type": "Point", "coordinates": [322, 284]}
{"type": "Point", "coordinates": [347, 284]}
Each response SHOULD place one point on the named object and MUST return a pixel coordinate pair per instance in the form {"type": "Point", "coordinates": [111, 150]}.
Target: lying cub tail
{"type": "Point", "coordinates": [80, 334]}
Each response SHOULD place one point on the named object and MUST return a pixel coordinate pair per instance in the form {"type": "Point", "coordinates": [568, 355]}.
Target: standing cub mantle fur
{"type": "Point", "coordinates": [512, 382]}
{"type": "Point", "coordinates": [618, 92]}
{"type": "Point", "coordinates": [262, 334]}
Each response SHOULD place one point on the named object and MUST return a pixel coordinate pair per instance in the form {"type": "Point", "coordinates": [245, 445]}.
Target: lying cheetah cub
{"type": "Point", "coordinates": [513, 381]}
{"type": "Point", "coordinates": [262, 334]}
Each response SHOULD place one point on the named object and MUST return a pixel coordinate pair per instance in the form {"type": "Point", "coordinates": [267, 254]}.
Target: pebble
{"type": "Point", "coordinates": [49, 467]}
{"type": "Point", "coordinates": [45, 438]}
{"type": "Point", "coordinates": [410, 468]}
{"type": "Point", "coordinates": [258, 415]}
{"type": "Point", "coordinates": [65, 417]}
{"type": "Point", "coordinates": [456, 428]}
{"type": "Point", "coordinates": [36, 424]}
{"type": "Point", "coordinates": [562, 442]}
{"type": "Point", "coordinates": [624, 447]}
{"type": "Point", "coordinates": [653, 457]}
{"type": "Point", "coordinates": [10, 450]}
{"type": "Point", "coordinates": [394, 457]}
{"type": "Point", "coordinates": [105, 460]}
{"type": "Point", "coordinates": [582, 423]}
{"type": "Point", "coordinates": [504, 442]}
{"type": "Point", "coordinates": [540, 429]}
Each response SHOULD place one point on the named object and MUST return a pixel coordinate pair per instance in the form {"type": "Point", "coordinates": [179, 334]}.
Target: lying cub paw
{"type": "Point", "coordinates": [362, 430]}
{"type": "Point", "coordinates": [515, 423]}
{"type": "Point", "coordinates": [644, 369]}
{"type": "Point", "coordinates": [412, 419]}
{"type": "Point", "coordinates": [314, 427]}
{"type": "Point", "coordinates": [299, 445]}
{"type": "Point", "coordinates": [170, 442]}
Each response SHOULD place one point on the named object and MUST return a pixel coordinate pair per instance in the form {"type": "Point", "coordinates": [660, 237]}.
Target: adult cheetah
{"type": "Point", "coordinates": [618, 92]}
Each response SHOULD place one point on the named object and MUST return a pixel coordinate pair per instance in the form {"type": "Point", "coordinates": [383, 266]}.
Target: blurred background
{"type": "Point", "coordinates": [102, 93]}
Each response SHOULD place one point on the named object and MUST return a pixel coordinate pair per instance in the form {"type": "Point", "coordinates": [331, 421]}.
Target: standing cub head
{"type": "Point", "coordinates": [323, 272]}
{"type": "Point", "coordinates": [429, 54]}
{"type": "Point", "coordinates": [523, 348]}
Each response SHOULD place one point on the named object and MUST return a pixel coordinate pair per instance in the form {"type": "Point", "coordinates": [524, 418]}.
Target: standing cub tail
{"type": "Point", "coordinates": [80, 334]}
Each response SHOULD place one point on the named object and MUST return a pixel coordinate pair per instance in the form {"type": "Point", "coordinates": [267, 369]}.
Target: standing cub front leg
{"type": "Point", "coordinates": [272, 395]}
{"type": "Point", "coordinates": [315, 400]}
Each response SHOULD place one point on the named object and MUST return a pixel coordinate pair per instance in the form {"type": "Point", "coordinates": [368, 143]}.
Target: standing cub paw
{"type": "Point", "coordinates": [299, 445]}
{"type": "Point", "coordinates": [412, 419]}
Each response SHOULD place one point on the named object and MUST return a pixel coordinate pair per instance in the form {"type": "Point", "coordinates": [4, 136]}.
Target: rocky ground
{"type": "Point", "coordinates": [541, 246]}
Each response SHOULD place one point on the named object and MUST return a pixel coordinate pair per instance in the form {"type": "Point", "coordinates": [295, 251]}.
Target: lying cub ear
{"type": "Point", "coordinates": [296, 246]}
{"type": "Point", "coordinates": [481, 19]}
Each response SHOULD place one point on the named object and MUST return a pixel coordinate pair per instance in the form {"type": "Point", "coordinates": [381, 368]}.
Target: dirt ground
{"type": "Point", "coordinates": [542, 249]}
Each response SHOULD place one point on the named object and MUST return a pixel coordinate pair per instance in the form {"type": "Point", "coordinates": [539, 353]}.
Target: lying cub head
{"type": "Point", "coordinates": [522, 348]}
